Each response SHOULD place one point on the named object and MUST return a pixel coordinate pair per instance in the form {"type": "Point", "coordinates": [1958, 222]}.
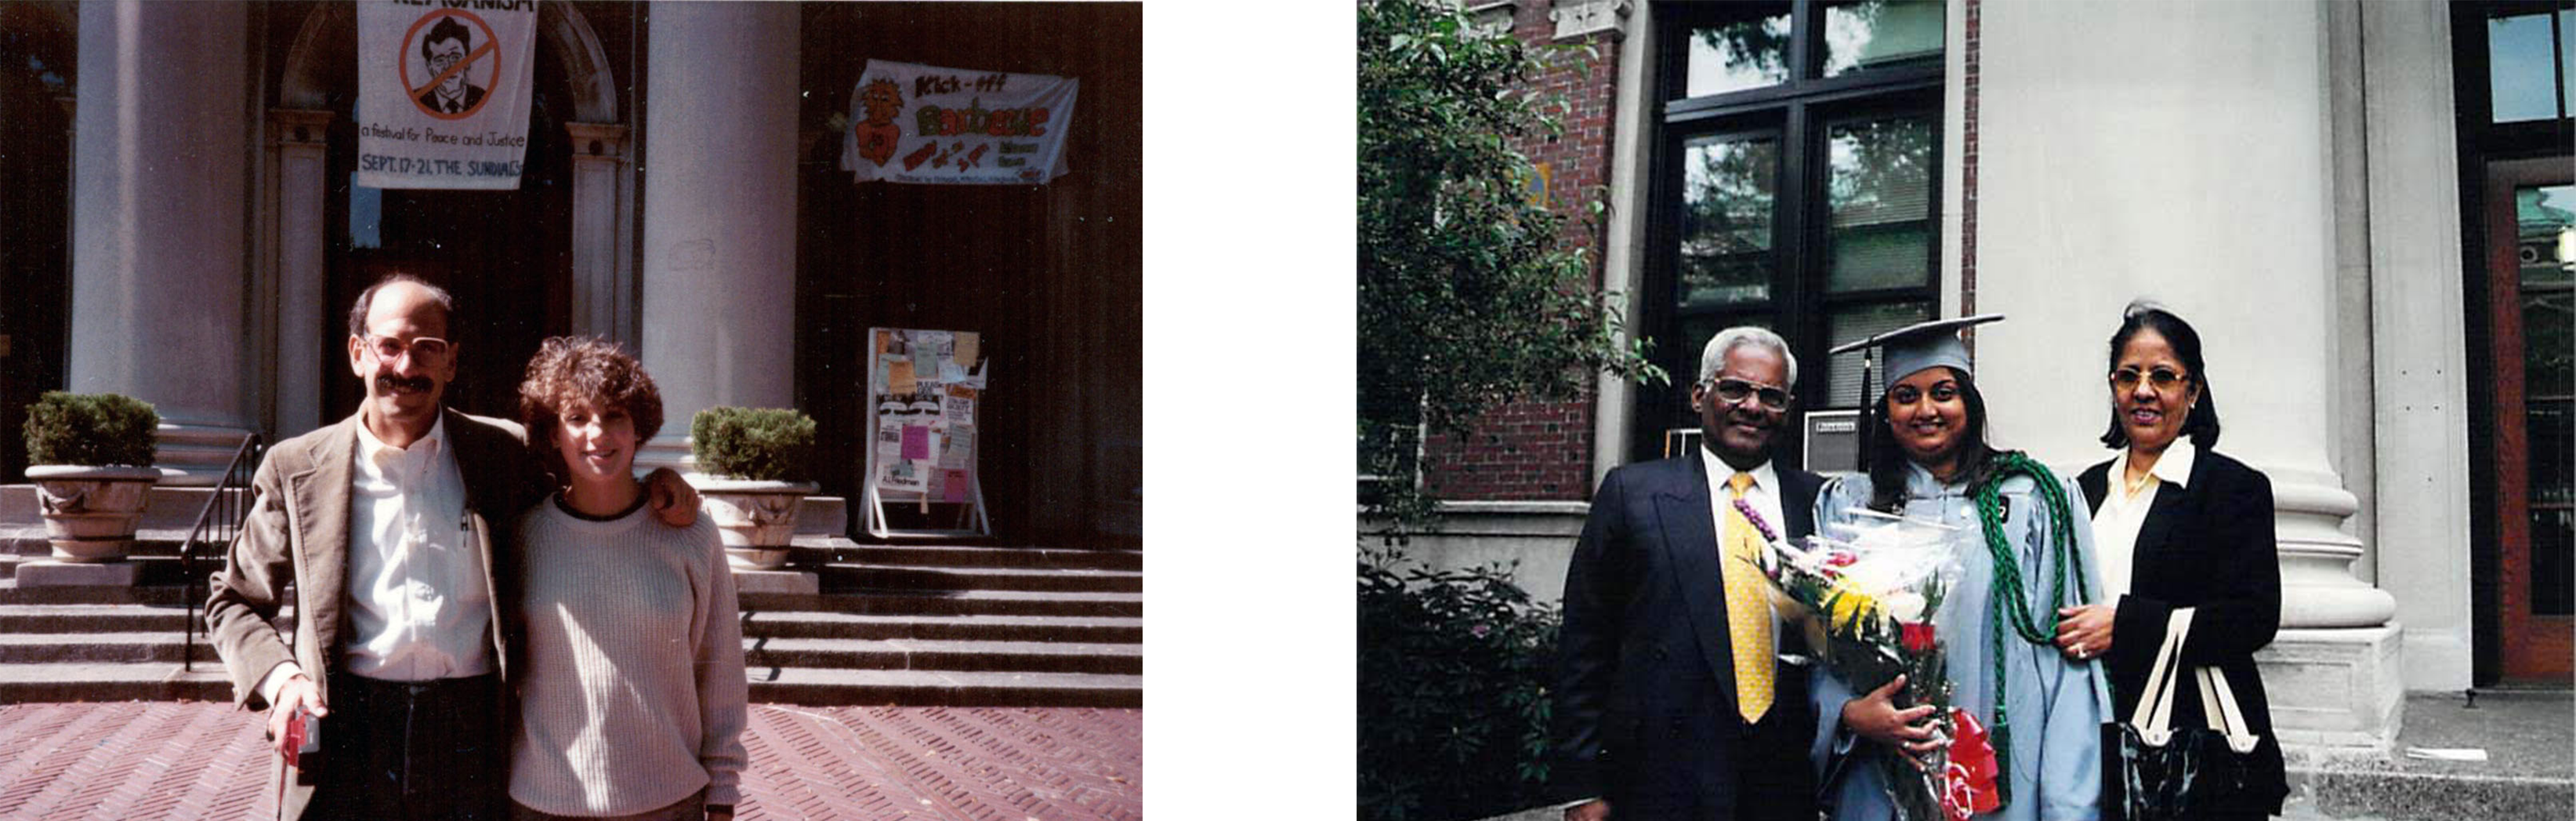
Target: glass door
{"type": "Point", "coordinates": [2531, 280]}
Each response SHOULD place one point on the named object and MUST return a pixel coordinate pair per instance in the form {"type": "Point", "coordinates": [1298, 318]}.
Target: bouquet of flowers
{"type": "Point", "coordinates": [1866, 602]}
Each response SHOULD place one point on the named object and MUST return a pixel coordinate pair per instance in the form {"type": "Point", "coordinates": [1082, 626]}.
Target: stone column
{"type": "Point", "coordinates": [160, 181]}
{"type": "Point", "coordinates": [2228, 220]}
{"type": "Point", "coordinates": [719, 212]}
{"type": "Point", "coordinates": [603, 284]}
{"type": "Point", "coordinates": [302, 325]}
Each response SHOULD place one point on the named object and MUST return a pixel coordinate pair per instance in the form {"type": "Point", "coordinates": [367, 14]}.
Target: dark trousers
{"type": "Point", "coordinates": [413, 750]}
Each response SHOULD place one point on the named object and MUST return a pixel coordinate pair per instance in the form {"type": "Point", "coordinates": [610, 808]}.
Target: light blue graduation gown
{"type": "Point", "coordinates": [2057, 707]}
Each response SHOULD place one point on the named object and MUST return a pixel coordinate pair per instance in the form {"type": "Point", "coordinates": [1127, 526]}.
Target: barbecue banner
{"type": "Point", "coordinates": [443, 91]}
{"type": "Point", "coordinates": [926, 124]}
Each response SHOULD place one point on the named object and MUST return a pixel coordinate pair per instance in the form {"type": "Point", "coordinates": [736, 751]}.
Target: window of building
{"type": "Point", "coordinates": [1796, 187]}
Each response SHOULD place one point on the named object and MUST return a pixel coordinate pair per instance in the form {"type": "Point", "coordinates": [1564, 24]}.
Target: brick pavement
{"type": "Point", "coordinates": [196, 760]}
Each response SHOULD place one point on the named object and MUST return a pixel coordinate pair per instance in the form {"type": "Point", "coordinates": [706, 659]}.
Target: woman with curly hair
{"type": "Point", "coordinates": [632, 703]}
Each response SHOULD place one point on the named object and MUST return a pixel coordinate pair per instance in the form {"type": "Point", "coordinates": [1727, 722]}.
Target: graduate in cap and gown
{"type": "Point", "coordinates": [2027, 553]}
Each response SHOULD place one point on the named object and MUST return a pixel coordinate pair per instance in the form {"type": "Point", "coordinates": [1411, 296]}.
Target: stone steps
{"type": "Point", "coordinates": [941, 625]}
{"type": "Point", "coordinates": [98, 681]}
{"type": "Point", "coordinates": [807, 685]}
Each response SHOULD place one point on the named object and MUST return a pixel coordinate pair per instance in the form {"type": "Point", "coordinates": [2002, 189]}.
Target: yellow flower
{"type": "Point", "coordinates": [1849, 605]}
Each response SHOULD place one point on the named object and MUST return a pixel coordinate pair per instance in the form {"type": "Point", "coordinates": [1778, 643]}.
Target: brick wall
{"type": "Point", "coordinates": [1543, 450]}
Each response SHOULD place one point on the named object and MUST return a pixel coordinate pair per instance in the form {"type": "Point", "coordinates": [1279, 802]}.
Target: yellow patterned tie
{"type": "Point", "coordinates": [1748, 611]}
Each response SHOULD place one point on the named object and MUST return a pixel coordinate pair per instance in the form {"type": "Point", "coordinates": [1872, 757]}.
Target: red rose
{"type": "Point", "coordinates": [1917, 638]}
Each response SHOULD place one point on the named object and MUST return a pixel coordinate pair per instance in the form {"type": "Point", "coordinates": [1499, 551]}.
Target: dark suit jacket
{"type": "Point", "coordinates": [473, 97]}
{"type": "Point", "coordinates": [298, 532]}
{"type": "Point", "coordinates": [1645, 698]}
{"type": "Point", "coordinates": [2206, 545]}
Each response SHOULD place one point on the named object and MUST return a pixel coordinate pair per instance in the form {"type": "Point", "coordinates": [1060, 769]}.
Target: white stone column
{"type": "Point", "coordinates": [603, 283]}
{"type": "Point", "coordinates": [297, 143]}
{"type": "Point", "coordinates": [719, 159]}
{"type": "Point", "coordinates": [2118, 167]}
{"type": "Point", "coordinates": [160, 181]}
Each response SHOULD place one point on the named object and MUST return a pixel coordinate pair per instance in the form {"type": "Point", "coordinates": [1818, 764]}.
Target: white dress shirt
{"type": "Point", "coordinates": [2116, 522]}
{"type": "Point", "coordinates": [418, 605]}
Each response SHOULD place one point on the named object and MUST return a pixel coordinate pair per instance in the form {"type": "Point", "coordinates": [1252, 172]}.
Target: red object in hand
{"type": "Point", "coordinates": [1917, 638]}
{"type": "Point", "coordinates": [299, 735]}
{"type": "Point", "coordinates": [1969, 786]}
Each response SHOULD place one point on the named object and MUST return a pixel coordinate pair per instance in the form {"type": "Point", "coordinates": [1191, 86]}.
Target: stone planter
{"type": "Point", "coordinates": [756, 519]}
{"type": "Point", "coordinates": [90, 512]}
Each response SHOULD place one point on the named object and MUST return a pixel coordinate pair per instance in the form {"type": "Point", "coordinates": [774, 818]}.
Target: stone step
{"type": "Point", "coordinates": [806, 685]}
{"type": "Point", "coordinates": [177, 508]}
{"type": "Point", "coordinates": [837, 577]}
{"type": "Point", "coordinates": [105, 681]}
{"type": "Point", "coordinates": [801, 624]}
{"type": "Point", "coordinates": [952, 602]}
{"type": "Point", "coordinates": [974, 556]}
{"type": "Point", "coordinates": [877, 602]}
{"type": "Point", "coordinates": [940, 654]}
{"type": "Point", "coordinates": [53, 648]}
{"type": "Point", "coordinates": [846, 654]}
{"type": "Point", "coordinates": [107, 618]}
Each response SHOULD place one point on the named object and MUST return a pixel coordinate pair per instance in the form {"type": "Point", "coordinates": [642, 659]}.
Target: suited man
{"type": "Point", "coordinates": [1671, 699]}
{"type": "Point", "coordinates": [383, 526]}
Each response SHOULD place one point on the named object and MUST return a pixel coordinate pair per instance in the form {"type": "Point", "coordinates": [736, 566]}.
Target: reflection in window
{"type": "Point", "coordinates": [2522, 68]}
{"type": "Point", "coordinates": [1727, 190]}
{"type": "Point", "coordinates": [1749, 53]}
{"type": "Point", "coordinates": [1853, 324]}
{"type": "Point", "coordinates": [2546, 249]}
{"type": "Point", "coordinates": [1881, 34]}
{"type": "Point", "coordinates": [1880, 193]}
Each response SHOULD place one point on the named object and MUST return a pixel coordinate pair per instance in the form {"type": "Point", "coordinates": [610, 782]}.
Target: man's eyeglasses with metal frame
{"type": "Point", "coordinates": [426, 351]}
{"type": "Point", "coordinates": [1732, 391]}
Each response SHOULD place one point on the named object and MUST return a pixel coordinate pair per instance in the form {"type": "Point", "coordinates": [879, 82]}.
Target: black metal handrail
{"type": "Point", "coordinates": [217, 524]}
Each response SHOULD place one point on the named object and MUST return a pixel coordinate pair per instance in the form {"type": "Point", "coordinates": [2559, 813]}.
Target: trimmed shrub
{"type": "Point", "coordinates": [761, 444]}
{"type": "Point", "coordinates": [1454, 671]}
{"type": "Point", "coordinates": [90, 429]}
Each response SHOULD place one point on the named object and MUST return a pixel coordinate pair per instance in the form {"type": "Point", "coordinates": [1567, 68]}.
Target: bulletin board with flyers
{"type": "Point", "coordinates": [924, 388]}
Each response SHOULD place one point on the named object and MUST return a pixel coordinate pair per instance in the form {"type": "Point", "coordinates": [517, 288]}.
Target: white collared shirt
{"type": "Point", "coordinates": [2124, 510]}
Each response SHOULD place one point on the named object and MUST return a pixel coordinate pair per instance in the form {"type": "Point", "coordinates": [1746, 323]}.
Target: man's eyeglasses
{"type": "Point", "coordinates": [427, 351]}
{"type": "Point", "coordinates": [1731, 391]}
{"type": "Point", "coordinates": [2163, 379]}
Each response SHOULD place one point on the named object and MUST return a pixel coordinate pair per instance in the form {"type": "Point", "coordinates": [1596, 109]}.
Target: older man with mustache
{"type": "Point", "coordinates": [404, 599]}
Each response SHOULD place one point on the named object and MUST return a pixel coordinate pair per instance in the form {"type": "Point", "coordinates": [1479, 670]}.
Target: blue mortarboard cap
{"type": "Point", "coordinates": [1922, 345]}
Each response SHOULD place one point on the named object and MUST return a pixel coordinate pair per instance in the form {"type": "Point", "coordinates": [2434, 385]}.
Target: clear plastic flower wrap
{"type": "Point", "coordinates": [1867, 594]}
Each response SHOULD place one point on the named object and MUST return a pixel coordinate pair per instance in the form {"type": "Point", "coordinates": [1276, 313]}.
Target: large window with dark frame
{"type": "Point", "coordinates": [1795, 186]}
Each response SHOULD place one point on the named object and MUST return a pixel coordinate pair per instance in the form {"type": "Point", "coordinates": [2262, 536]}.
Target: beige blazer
{"type": "Point", "coordinates": [298, 532]}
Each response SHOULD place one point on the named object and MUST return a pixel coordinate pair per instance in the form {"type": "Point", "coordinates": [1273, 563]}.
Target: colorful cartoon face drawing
{"type": "Point", "coordinates": [882, 100]}
{"type": "Point", "coordinates": [878, 134]}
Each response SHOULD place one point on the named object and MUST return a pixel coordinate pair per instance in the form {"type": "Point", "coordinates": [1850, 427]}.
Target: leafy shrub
{"type": "Point", "coordinates": [764, 444]}
{"type": "Point", "coordinates": [1454, 668]}
{"type": "Point", "coordinates": [90, 429]}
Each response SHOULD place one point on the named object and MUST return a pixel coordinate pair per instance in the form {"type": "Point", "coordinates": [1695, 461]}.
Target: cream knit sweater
{"type": "Point", "coordinates": [633, 696]}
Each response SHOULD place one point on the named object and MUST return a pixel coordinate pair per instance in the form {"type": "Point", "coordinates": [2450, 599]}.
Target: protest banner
{"type": "Point", "coordinates": [925, 124]}
{"type": "Point", "coordinates": [443, 92]}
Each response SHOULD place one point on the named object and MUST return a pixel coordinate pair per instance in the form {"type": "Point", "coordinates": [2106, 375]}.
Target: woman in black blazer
{"type": "Point", "coordinates": [2179, 527]}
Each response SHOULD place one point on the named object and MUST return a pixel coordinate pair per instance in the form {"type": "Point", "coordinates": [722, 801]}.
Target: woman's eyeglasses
{"type": "Point", "coordinates": [2163, 379]}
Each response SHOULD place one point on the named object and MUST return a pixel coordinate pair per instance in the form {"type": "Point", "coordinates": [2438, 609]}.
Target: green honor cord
{"type": "Point", "coordinates": [2008, 584]}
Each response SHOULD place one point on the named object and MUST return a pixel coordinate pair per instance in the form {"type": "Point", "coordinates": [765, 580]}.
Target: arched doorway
{"type": "Point", "coordinates": [37, 60]}
{"type": "Point", "coordinates": [526, 264]}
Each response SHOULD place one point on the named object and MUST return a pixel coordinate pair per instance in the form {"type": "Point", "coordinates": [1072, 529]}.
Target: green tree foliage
{"type": "Point", "coordinates": [93, 429]}
{"type": "Point", "coordinates": [1453, 692]}
{"type": "Point", "coordinates": [765, 444]}
{"type": "Point", "coordinates": [1466, 298]}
